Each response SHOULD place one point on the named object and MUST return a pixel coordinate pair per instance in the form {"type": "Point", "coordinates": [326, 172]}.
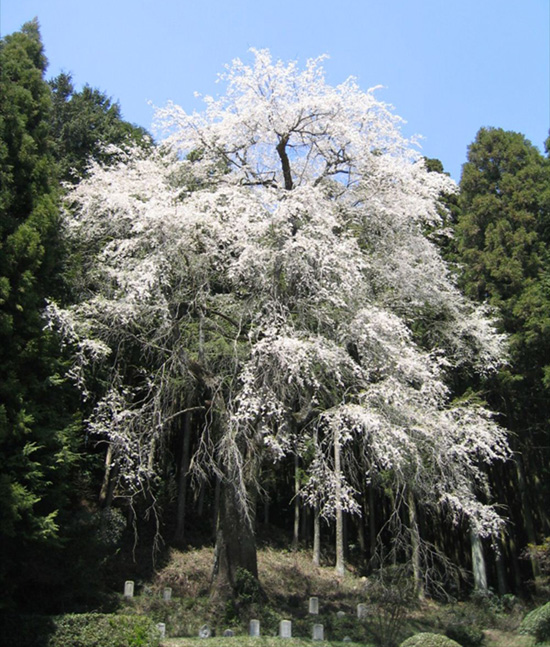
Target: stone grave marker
{"type": "Point", "coordinates": [205, 632]}
{"type": "Point", "coordinates": [362, 611]}
{"type": "Point", "coordinates": [318, 632]}
{"type": "Point", "coordinates": [128, 590]}
{"type": "Point", "coordinates": [162, 629]}
{"type": "Point", "coordinates": [314, 606]}
{"type": "Point", "coordinates": [167, 594]}
{"type": "Point", "coordinates": [341, 614]}
{"type": "Point", "coordinates": [285, 629]}
{"type": "Point", "coordinates": [228, 633]}
{"type": "Point", "coordinates": [254, 628]}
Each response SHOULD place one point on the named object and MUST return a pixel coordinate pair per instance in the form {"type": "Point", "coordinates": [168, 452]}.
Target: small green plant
{"type": "Point", "coordinates": [429, 640]}
{"type": "Point", "coordinates": [537, 623]}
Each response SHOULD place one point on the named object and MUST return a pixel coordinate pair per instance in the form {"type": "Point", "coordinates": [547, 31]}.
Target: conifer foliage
{"type": "Point", "coordinates": [267, 269]}
{"type": "Point", "coordinates": [34, 450]}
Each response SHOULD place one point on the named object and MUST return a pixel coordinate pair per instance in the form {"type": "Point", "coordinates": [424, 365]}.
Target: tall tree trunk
{"type": "Point", "coordinates": [415, 545]}
{"type": "Point", "coordinates": [478, 562]}
{"type": "Point", "coordinates": [110, 476]}
{"type": "Point", "coordinates": [296, 532]}
{"type": "Point", "coordinates": [529, 523]}
{"type": "Point", "coordinates": [372, 521]}
{"type": "Point", "coordinates": [179, 535]}
{"type": "Point", "coordinates": [317, 537]}
{"type": "Point", "coordinates": [235, 544]}
{"type": "Point", "coordinates": [340, 560]}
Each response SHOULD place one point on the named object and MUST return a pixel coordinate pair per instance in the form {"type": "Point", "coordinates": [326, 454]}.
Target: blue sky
{"type": "Point", "coordinates": [448, 67]}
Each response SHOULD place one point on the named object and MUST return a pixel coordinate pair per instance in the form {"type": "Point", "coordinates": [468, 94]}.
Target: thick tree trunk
{"type": "Point", "coordinates": [235, 545]}
{"type": "Point", "coordinates": [179, 535]}
{"type": "Point", "coordinates": [478, 563]}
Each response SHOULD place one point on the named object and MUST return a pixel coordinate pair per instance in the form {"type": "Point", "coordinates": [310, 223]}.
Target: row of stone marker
{"type": "Point", "coordinates": [313, 601]}
{"type": "Point", "coordinates": [285, 626]}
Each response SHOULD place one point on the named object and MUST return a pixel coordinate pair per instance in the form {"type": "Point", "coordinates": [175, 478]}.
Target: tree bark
{"type": "Point", "coordinates": [415, 545]}
{"type": "Point", "coordinates": [235, 545]}
{"type": "Point", "coordinates": [340, 560]}
{"type": "Point", "coordinates": [317, 537]}
{"type": "Point", "coordinates": [478, 563]}
{"type": "Point", "coordinates": [296, 532]}
{"type": "Point", "coordinates": [182, 481]}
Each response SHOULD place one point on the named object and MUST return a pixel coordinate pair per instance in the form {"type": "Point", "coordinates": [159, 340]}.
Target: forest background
{"type": "Point", "coordinates": [61, 486]}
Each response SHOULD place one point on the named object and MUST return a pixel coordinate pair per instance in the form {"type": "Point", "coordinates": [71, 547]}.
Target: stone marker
{"type": "Point", "coordinates": [162, 629]}
{"type": "Point", "coordinates": [341, 614]}
{"type": "Point", "coordinates": [128, 589]}
{"type": "Point", "coordinates": [347, 639]}
{"type": "Point", "coordinates": [318, 632]}
{"type": "Point", "coordinates": [314, 606]}
{"type": "Point", "coordinates": [285, 629]}
{"type": "Point", "coordinates": [205, 632]}
{"type": "Point", "coordinates": [167, 594]}
{"type": "Point", "coordinates": [362, 611]}
{"type": "Point", "coordinates": [228, 633]}
{"type": "Point", "coordinates": [254, 628]}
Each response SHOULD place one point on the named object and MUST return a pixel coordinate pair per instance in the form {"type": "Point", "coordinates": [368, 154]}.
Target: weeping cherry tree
{"type": "Point", "coordinates": [268, 266]}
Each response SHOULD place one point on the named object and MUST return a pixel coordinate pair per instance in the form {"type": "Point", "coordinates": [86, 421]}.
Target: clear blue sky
{"type": "Point", "coordinates": [448, 66]}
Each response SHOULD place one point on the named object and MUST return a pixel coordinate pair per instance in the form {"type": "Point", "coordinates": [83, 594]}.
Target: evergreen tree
{"type": "Point", "coordinates": [503, 238]}
{"type": "Point", "coordinates": [84, 124]}
{"type": "Point", "coordinates": [34, 447]}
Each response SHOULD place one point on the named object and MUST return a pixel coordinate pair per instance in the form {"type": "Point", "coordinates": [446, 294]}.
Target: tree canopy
{"type": "Point", "coordinates": [268, 267]}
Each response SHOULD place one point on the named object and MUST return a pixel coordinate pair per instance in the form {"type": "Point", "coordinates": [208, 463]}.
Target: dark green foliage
{"type": "Point", "coordinates": [36, 429]}
{"type": "Point", "coordinates": [503, 246]}
{"type": "Point", "coordinates": [537, 623]}
{"type": "Point", "coordinates": [466, 634]}
{"type": "Point", "coordinates": [429, 640]}
{"type": "Point", "coordinates": [85, 123]}
{"type": "Point", "coordinates": [80, 630]}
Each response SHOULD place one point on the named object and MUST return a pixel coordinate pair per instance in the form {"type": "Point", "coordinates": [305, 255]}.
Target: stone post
{"type": "Point", "coordinates": [162, 629]}
{"type": "Point", "coordinates": [314, 606]}
{"type": "Point", "coordinates": [254, 628]}
{"type": "Point", "coordinates": [285, 629]}
{"type": "Point", "coordinates": [167, 594]}
{"type": "Point", "coordinates": [128, 590]}
{"type": "Point", "coordinates": [318, 632]}
{"type": "Point", "coordinates": [361, 611]}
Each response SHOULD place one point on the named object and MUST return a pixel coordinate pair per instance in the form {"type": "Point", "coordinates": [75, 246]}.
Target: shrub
{"type": "Point", "coordinates": [429, 640]}
{"type": "Point", "coordinates": [467, 635]}
{"type": "Point", "coordinates": [537, 623]}
{"type": "Point", "coordinates": [81, 630]}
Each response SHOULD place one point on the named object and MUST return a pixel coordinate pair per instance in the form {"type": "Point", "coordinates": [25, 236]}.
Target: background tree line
{"type": "Point", "coordinates": [64, 497]}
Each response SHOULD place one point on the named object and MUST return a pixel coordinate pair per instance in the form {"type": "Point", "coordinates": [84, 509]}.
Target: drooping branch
{"type": "Point", "coordinates": [285, 162]}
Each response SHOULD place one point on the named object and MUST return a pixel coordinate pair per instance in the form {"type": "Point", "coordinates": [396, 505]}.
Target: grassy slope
{"type": "Point", "coordinates": [288, 580]}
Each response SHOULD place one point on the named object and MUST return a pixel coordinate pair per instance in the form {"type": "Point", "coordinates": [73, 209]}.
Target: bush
{"type": "Point", "coordinates": [537, 623]}
{"type": "Point", "coordinates": [429, 640]}
{"type": "Point", "coordinates": [467, 635]}
{"type": "Point", "coordinates": [80, 630]}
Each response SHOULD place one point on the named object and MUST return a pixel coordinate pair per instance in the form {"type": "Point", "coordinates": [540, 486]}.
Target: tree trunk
{"type": "Point", "coordinates": [296, 532]}
{"type": "Point", "coordinates": [182, 481]}
{"type": "Point", "coordinates": [235, 545]}
{"type": "Point", "coordinates": [317, 537]}
{"type": "Point", "coordinates": [110, 476]}
{"type": "Point", "coordinates": [415, 545]}
{"type": "Point", "coordinates": [340, 561]}
{"type": "Point", "coordinates": [478, 563]}
{"type": "Point", "coordinates": [529, 523]}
